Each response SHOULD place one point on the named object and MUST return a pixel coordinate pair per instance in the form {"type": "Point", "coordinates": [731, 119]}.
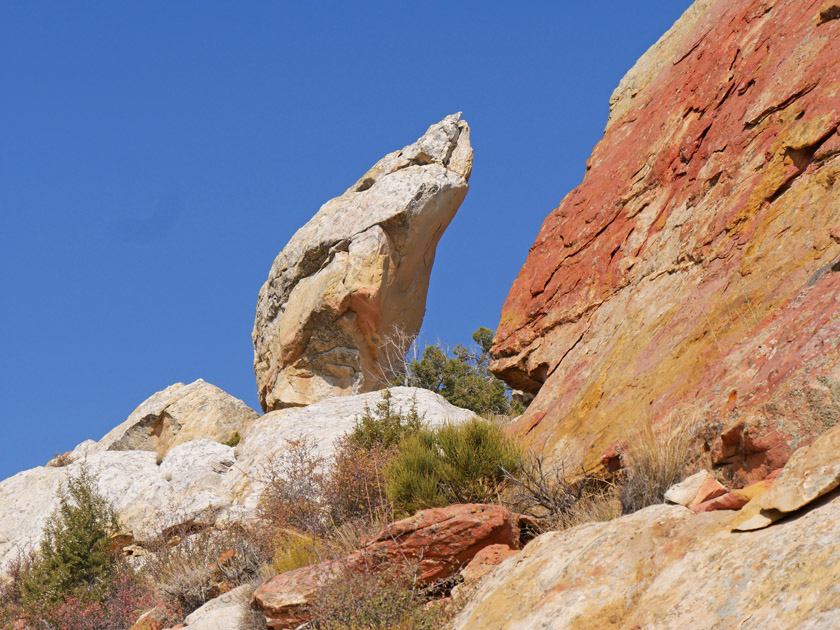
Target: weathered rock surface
{"type": "Point", "coordinates": [229, 611]}
{"type": "Point", "coordinates": [358, 269]}
{"type": "Point", "coordinates": [322, 424]}
{"type": "Point", "coordinates": [186, 487]}
{"type": "Point", "coordinates": [812, 472]}
{"type": "Point", "coordinates": [695, 272]}
{"type": "Point", "coordinates": [441, 540]}
{"type": "Point", "coordinates": [667, 568]}
{"type": "Point", "coordinates": [284, 598]}
{"type": "Point", "coordinates": [485, 561]}
{"type": "Point", "coordinates": [438, 542]}
{"type": "Point", "coordinates": [200, 481]}
{"type": "Point", "coordinates": [178, 414]}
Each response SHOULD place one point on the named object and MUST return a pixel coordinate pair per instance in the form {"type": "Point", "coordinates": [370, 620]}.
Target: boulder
{"type": "Point", "coordinates": [230, 611]}
{"type": "Point", "coordinates": [438, 542]}
{"type": "Point", "coordinates": [358, 272]}
{"type": "Point", "coordinates": [441, 540]}
{"type": "Point", "coordinates": [694, 273]}
{"type": "Point", "coordinates": [178, 414]}
{"type": "Point", "coordinates": [667, 568]}
{"type": "Point", "coordinates": [284, 598]}
{"type": "Point", "coordinates": [322, 423]}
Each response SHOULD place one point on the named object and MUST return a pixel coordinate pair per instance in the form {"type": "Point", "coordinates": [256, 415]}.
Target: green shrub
{"type": "Point", "coordinates": [463, 378]}
{"type": "Point", "coordinates": [234, 439]}
{"type": "Point", "coordinates": [454, 463]}
{"type": "Point", "coordinates": [385, 425]}
{"type": "Point", "coordinates": [75, 558]}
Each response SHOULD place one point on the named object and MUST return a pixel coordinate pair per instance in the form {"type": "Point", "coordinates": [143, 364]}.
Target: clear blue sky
{"type": "Point", "coordinates": [155, 157]}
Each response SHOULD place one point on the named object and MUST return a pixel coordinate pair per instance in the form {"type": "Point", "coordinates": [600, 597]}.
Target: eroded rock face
{"type": "Point", "coordinates": [358, 269]}
{"type": "Point", "coordinates": [695, 273]}
{"type": "Point", "coordinates": [178, 414]}
{"type": "Point", "coordinates": [667, 568]}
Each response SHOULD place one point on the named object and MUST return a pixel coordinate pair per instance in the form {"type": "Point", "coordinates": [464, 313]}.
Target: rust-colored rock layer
{"type": "Point", "coordinates": [694, 275]}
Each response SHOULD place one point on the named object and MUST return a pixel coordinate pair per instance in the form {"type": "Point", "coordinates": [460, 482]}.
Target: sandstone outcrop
{"type": "Point", "coordinates": [199, 481]}
{"type": "Point", "coordinates": [437, 542]}
{"type": "Point", "coordinates": [667, 568]}
{"type": "Point", "coordinates": [694, 275]}
{"type": "Point", "coordinates": [178, 414]}
{"type": "Point", "coordinates": [358, 270]}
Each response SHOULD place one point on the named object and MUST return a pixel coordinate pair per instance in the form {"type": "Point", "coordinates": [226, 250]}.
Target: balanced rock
{"type": "Point", "coordinates": [695, 272]}
{"type": "Point", "coordinates": [178, 414]}
{"type": "Point", "coordinates": [357, 272]}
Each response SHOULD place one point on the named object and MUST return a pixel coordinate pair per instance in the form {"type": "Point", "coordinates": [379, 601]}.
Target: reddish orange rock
{"type": "Point", "coordinates": [694, 275]}
{"type": "Point", "coordinates": [438, 542]}
{"type": "Point", "coordinates": [710, 489]}
{"type": "Point", "coordinates": [442, 540]}
{"type": "Point", "coordinates": [485, 560]}
{"type": "Point", "coordinates": [736, 499]}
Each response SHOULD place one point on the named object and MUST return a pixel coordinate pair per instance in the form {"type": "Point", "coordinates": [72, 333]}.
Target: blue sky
{"type": "Point", "coordinates": [155, 157]}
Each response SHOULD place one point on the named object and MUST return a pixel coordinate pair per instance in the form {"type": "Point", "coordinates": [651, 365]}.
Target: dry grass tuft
{"type": "Point", "coordinates": [655, 460]}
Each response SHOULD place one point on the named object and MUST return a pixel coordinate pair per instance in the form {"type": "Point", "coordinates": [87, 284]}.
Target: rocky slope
{"type": "Point", "coordinates": [666, 567]}
{"type": "Point", "coordinates": [200, 481]}
{"type": "Point", "coordinates": [358, 270]}
{"type": "Point", "coordinates": [694, 275]}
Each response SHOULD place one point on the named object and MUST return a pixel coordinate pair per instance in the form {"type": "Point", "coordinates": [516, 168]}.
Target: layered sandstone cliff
{"type": "Point", "coordinates": [694, 275]}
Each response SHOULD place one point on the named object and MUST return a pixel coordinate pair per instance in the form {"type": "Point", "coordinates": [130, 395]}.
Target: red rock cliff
{"type": "Point", "coordinates": [694, 275]}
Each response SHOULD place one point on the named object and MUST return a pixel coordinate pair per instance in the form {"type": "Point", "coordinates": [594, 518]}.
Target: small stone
{"type": "Point", "coordinates": [684, 492]}
{"type": "Point", "coordinates": [485, 561]}
{"type": "Point", "coordinates": [710, 489]}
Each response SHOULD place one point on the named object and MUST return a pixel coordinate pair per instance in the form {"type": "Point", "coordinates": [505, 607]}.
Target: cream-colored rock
{"type": "Point", "coordinates": [684, 492]}
{"type": "Point", "coordinates": [358, 269]}
{"type": "Point", "coordinates": [200, 481]}
{"type": "Point", "coordinates": [322, 423]}
{"type": "Point", "coordinates": [230, 611]}
{"type": "Point", "coordinates": [186, 487]}
{"type": "Point", "coordinates": [665, 568]}
{"type": "Point", "coordinates": [178, 414]}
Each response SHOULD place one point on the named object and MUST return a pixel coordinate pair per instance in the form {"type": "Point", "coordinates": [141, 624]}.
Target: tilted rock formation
{"type": "Point", "coordinates": [358, 270]}
{"type": "Point", "coordinates": [665, 567]}
{"type": "Point", "coordinates": [200, 481]}
{"type": "Point", "coordinates": [694, 275]}
{"type": "Point", "coordinates": [178, 414]}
